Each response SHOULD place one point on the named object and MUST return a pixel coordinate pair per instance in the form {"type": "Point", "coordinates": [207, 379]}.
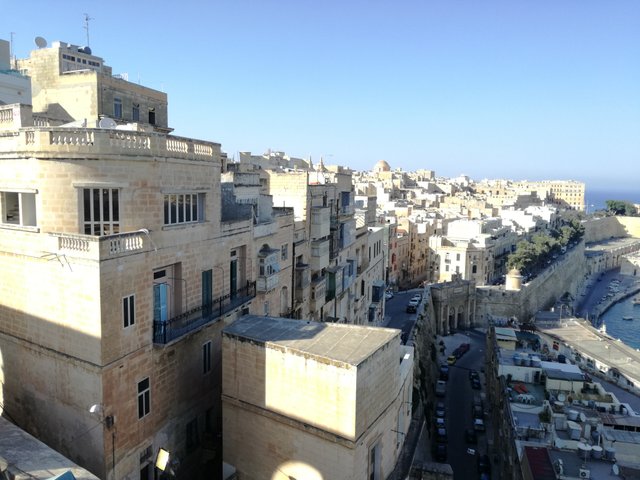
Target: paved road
{"type": "Point", "coordinates": [397, 315]}
{"type": "Point", "coordinates": [459, 401]}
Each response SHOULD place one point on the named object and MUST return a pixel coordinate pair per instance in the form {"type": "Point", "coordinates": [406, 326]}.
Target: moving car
{"type": "Point", "coordinates": [412, 306]}
{"type": "Point", "coordinates": [451, 360]}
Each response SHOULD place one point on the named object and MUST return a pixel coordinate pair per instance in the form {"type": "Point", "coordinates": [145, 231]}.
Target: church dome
{"type": "Point", "coordinates": [381, 166]}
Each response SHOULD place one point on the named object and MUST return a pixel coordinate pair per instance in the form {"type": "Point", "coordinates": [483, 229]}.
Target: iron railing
{"type": "Point", "coordinates": [167, 331]}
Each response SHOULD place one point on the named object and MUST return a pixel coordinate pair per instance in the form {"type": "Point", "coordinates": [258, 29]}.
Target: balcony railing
{"type": "Point", "coordinates": [100, 247]}
{"type": "Point", "coordinates": [176, 327]}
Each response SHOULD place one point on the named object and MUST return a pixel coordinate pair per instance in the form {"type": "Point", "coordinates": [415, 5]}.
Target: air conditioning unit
{"type": "Point", "coordinates": [584, 473]}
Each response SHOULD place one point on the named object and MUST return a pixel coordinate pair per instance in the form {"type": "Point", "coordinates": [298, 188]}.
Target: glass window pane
{"type": "Point", "coordinates": [106, 214]}
{"type": "Point", "coordinates": [86, 194]}
{"type": "Point", "coordinates": [181, 208]}
{"type": "Point", "coordinates": [96, 204]}
{"type": "Point", "coordinates": [173, 209]}
{"type": "Point", "coordinates": [166, 209]}
{"type": "Point", "coordinates": [187, 208]}
{"type": "Point", "coordinates": [115, 209]}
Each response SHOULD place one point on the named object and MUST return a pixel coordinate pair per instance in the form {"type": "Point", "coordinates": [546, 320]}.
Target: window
{"type": "Point", "coordinates": [128, 311]}
{"type": "Point", "coordinates": [284, 252]}
{"type": "Point", "coordinates": [183, 208]}
{"type": "Point", "coordinates": [144, 398]}
{"type": "Point", "coordinates": [152, 116]}
{"type": "Point", "coordinates": [206, 357]}
{"type": "Point", "coordinates": [117, 107]}
{"type": "Point", "coordinates": [101, 211]}
{"type": "Point", "coordinates": [374, 462]}
{"type": "Point", "coordinates": [19, 208]}
{"type": "Point", "coordinates": [266, 309]}
{"type": "Point", "coordinates": [135, 112]}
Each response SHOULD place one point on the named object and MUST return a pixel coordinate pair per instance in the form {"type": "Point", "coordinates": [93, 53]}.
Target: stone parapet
{"type": "Point", "coordinates": [87, 142]}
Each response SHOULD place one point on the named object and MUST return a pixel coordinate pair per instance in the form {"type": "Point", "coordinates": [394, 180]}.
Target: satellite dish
{"type": "Point", "coordinates": [40, 42]}
{"type": "Point", "coordinates": [107, 122]}
{"type": "Point", "coordinates": [561, 397]}
{"type": "Point", "coordinates": [615, 469]}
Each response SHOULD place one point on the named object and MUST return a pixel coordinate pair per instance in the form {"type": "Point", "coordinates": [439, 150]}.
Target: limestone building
{"type": "Point", "coordinates": [314, 401]}
{"type": "Point", "coordinates": [121, 264]}
{"type": "Point", "coordinates": [70, 84]}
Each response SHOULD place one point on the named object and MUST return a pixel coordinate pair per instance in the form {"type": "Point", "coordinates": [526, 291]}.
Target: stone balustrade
{"type": "Point", "coordinates": [99, 248]}
{"type": "Point", "coordinates": [52, 142]}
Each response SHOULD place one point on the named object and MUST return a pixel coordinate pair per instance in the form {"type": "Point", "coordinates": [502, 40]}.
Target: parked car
{"type": "Point", "coordinates": [473, 374]}
{"type": "Point", "coordinates": [475, 383]}
{"type": "Point", "coordinates": [470, 435]}
{"type": "Point", "coordinates": [444, 372]}
{"type": "Point", "coordinates": [441, 435]}
{"type": "Point", "coordinates": [440, 409]}
{"type": "Point", "coordinates": [478, 425]}
{"type": "Point", "coordinates": [484, 464]}
{"type": "Point", "coordinates": [440, 452]}
{"type": "Point", "coordinates": [441, 388]}
{"type": "Point", "coordinates": [388, 295]}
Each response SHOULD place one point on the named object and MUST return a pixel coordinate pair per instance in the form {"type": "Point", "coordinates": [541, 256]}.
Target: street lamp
{"type": "Point", "coordinates": [109, 422]}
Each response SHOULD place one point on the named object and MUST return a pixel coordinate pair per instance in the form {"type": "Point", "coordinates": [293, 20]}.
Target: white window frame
{"type": "Point", "coordinates": [26, 208]}
{"type": "Point", "coordinates": [99, 225]}
{"type": "Point", "coordinates": [129, 310]}
{"type": "Point", "coordinates": [183, 208]}
{"type": "Point", "coordinates": [144, 398]}
{"type": "Point", "coordinates": [206, 357]}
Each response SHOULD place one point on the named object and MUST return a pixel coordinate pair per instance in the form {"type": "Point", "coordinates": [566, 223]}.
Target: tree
{"type": "Point", "coordinates": [621, 207]}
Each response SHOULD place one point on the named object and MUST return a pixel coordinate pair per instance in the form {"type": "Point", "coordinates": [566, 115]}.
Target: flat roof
{"type": "Point", "coordinates": [351, 344]}
{"type": "Point", "coordinates": [505, 333]}
{"type": "Point", "coordinates": [29, 458]}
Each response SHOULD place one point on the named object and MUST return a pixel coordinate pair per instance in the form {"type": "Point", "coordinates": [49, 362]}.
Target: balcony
{"type": "Point", "coordinates": [265, 229]}
{"type": "Point", "coordinates": [320, 222]}
{"type": "Point", "coordinates": [302, 275]}
{"type": "Point", "coordinates": [318, 289]}
{"type": "Point", "coordinates": [319, 255]}
{"type": "Point", "coordinates": [93, 247]}
{"type": "Point", "coordinates": [266, 283]}
{"type": "Point", "coordinates": [180, 325]}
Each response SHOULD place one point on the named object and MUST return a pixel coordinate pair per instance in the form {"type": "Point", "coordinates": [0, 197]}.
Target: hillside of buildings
{"type": "Point", "coordinates": [162, 304]}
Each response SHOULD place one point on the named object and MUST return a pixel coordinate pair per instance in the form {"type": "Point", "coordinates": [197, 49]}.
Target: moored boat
{"type": "Point", "coordinates": [628, 319]}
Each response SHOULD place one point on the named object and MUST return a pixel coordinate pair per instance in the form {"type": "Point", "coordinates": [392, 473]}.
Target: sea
{"type": "Point", "coordinates": [596, 197]}
{"type": "Point", "coordinates": [628, 331]}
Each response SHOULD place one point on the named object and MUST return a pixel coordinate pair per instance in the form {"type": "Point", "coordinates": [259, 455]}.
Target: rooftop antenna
{"type": "Point", "coordinates": [11, 57]}
{"type": "Point", "coordinates": [86, 26]}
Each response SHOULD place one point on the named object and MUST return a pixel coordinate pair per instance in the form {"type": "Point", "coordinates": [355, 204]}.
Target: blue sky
{"type": "Point", "coordinates": [492, 89]}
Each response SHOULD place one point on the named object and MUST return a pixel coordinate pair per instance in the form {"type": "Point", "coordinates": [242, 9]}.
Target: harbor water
{"type": "Point", "coordinates": [622, 321]}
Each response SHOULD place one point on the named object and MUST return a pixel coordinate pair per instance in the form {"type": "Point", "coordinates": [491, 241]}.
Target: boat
{"type": "Point", "coordinates": [628, 319]}
{"type": "Point", "coordinates": [636, 301]}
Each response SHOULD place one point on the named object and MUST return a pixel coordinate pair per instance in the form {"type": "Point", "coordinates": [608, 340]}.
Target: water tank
{"type": "Point", "coordinates": [595, 437]}
{"type": "Point", "coordinates": [596, 452]}
{"type": "Point", "coordinates": [574, 430]}
{"type": "Point", "coordinates": [609, 453]}
{"type": "Point", "coordinates": [584, 450]}
{"type": "Point", "coordinates": [560, 422]}
{"type": "Point", "coordinates": [535, 362]}
{"type": "Point", "coordinates": [572, 415]}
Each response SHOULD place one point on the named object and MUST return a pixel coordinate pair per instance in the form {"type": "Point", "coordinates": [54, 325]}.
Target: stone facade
{"type": "Point", "coordinates": [314, 400]}
{"type": "Point", "coordinates": [128, 318]}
